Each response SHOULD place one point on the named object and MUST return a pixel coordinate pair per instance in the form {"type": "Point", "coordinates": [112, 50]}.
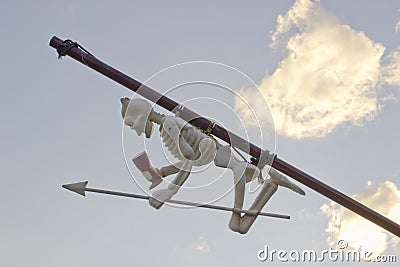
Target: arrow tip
{"type": "Point", "coordinates": [77, 187]}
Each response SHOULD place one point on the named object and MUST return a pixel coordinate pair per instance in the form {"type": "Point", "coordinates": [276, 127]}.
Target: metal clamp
{"type": "Point", "coordinates": [266, 158]}
{"type": "Point", "coordinates": [210, 128]}
{"type": "Point", "coordinates": [67, 45]}
{"type": "Point", "coordinates": [63, 48]}
{"type": "Point", "coordinates": [179, 109]}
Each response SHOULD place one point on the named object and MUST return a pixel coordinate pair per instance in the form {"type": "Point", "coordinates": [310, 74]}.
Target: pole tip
{"type": "Point", "coordinates": [78, 188]}
{"type": "Point", "coordinates": [55, 41]}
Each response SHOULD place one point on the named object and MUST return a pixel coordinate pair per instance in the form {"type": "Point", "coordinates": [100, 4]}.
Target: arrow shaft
{"type": "Point", "coordinates": [229, 137]}
{"type": "Point", "coordinates": [188, 203]}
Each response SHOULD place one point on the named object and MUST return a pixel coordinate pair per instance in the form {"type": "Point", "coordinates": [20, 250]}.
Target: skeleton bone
{"type": "Point", "coordinates": [187, 143]}
{"type": "Point", "coordinates": [194, 148]}
{"type": "Point", "coordinates": [182, 139]}
{"type": "Point", "coordinates": [242, 172]}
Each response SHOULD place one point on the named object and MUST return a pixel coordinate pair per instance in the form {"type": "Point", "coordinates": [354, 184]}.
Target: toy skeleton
{"type": "Point", "coordinates": [192, 147]}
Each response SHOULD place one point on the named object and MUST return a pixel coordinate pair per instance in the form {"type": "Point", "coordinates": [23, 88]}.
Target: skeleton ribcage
{"type": "Point", "coordinates": [203, 146]}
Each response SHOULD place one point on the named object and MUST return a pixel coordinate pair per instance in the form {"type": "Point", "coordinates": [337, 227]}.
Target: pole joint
{"type": "Point", "coordinates": [67, 45]}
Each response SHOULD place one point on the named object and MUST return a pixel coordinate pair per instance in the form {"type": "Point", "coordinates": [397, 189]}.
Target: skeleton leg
{"type": "Point", "coordinates": [269, 188]}
{"type": "Point", "coordinates": [240, 183]}
{"type": "Point", "coordinates": [160, 196]}
{"type": "Point", "coordinates": [281, 180]}
{"type": "Point", "coordinates": [241, 171]}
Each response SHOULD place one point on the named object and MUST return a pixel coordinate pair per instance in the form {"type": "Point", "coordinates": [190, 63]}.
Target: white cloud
{"type": "Point", "coordinates": [391, 69]}
{"type": "Point", "coordinates": [397, 28]}
{"type": "Point", "coordinates": [296, 16]}
{"type": "Point", "coordinates": [330, 77]}
{"type": "Point", "coordinates": [357, 231]}
{"type": "Point", "coordinates": [202, 245]}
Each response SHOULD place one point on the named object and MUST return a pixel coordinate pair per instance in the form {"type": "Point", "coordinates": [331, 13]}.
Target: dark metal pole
{"type": "Point", "coordinates": [220, 132]}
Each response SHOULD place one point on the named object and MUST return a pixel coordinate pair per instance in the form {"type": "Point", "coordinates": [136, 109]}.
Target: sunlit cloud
{"type": "Point", "coordinates": [330, 77]}
{"type": "Point", "coordinates": [296, 16]}
{"type": "Point", "coordinates": [360, 233]}
{"type": "Point", "coordinates": [391, 69]}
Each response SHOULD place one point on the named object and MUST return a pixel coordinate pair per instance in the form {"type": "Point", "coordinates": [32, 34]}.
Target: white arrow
{"type": "Point", "coordinates": [81, 188]}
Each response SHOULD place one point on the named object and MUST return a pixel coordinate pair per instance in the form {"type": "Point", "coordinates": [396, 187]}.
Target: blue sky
{"type": "Point", "coordinates": [61, 123]}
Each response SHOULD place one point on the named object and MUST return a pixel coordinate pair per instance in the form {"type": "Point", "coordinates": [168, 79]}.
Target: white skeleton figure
{"type": "Point", "coordinates": [194, 148]}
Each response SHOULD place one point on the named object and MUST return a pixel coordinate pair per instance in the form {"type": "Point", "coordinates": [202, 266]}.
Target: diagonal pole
{"type": "Point", "coordinates": [81, 188]}
{"type": "Point", "coordinates": [78, 53]}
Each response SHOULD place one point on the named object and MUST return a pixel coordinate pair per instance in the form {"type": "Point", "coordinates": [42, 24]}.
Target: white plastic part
{"type": "Point", "coordinates": [187, 142]}
{"type": "Point", "coordinates": [142, 162]}
{"type": "Point", "coordinates": [194, 148]}
{"type": "Point", "coordinates": [136, 114]}
{"type": "Point", "coordinates": [242, 173]}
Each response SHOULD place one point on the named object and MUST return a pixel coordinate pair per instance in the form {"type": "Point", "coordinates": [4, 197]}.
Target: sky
{"type": "Point", "coordinates": [329, 71]}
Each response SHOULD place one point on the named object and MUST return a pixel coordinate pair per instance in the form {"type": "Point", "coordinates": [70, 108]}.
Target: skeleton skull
{"type": "Point", "coordinates": [136, 113]}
